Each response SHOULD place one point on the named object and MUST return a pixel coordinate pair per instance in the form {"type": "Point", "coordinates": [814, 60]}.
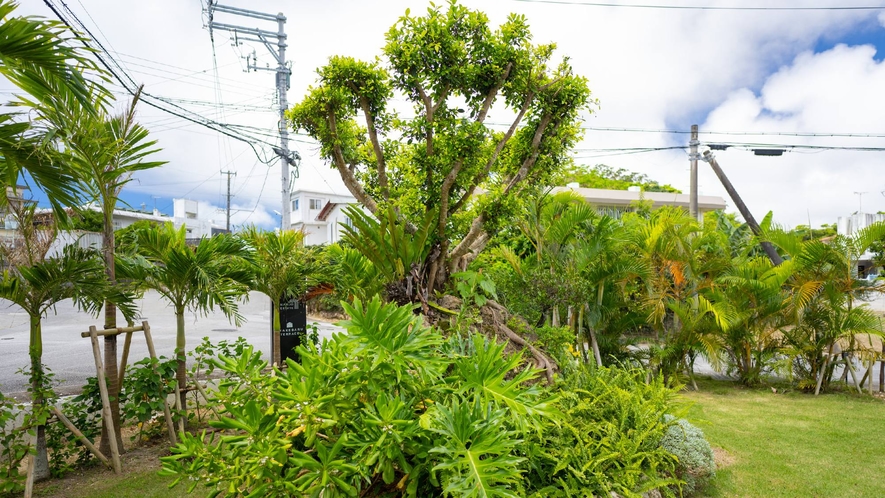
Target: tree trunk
{"type": "Point", "coordinates": [579, 334]}
{"type": "Point", "coordinates": [882, 371]}
{"type": "Point", "coordinates": [38, 403]}
{"type": "Point", "coordinates": [110, 341]}
{"type": "Point", "coordinates": [182, 361]}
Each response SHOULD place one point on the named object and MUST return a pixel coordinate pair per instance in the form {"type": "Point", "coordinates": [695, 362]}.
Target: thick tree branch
{"type": "Point", "coordinates": [494, 157]}
{"type": "Point", "coordinates": [350, 181]}
{"type": "Point", "coordinates": [452, 176]}
{"type": "Point", "coordinates": [376, 146]}
{"type": "Point", "coordinates": [476, 228]}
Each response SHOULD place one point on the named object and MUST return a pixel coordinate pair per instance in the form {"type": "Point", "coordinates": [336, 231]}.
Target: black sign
{"type": "Point", "coordinates": [293, 329]}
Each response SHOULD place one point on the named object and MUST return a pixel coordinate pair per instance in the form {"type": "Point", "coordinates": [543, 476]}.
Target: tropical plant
{"type": "Point", "coordinates": [453, 67]}
{"type": "Point", "coordinates": [822, 301]}
{"type": "Point", "coordinates": [79, 275]}
{"type": "Point", "coordinates": [36, 55]}
{"type": "Point", "coordinates": [389, 408]}
{"type": "Point", "coordinates": [282, 268]}
{"type": "Point", "coordinates": [198, 279]}
{"type": "Point", "coordinates": [609, 439]}
{"type": "Point", "coordinates": [397, 255]}
{"type": "Point", "coordinates": [15, 446]}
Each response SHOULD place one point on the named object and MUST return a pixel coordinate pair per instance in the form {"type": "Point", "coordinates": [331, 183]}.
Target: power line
{"type": "Point", "coordinates": [120, 74]}
{"type": "Point", "coordinates": [704, 7]}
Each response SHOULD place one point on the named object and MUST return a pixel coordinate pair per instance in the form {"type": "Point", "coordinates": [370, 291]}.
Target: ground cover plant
{"type": "Point", "coordinates": [789, 444]}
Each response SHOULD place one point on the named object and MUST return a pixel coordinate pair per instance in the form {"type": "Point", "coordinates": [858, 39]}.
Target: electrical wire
{"type": "Point", "coordinates": [121, 75]}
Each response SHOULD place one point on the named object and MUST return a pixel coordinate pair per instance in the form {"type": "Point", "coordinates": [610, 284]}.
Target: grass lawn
{"type": "Point", "coordinates": [793, 444]}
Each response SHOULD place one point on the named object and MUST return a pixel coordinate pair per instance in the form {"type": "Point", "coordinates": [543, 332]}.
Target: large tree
{"type": "Point", "coordinates": [431, 159]}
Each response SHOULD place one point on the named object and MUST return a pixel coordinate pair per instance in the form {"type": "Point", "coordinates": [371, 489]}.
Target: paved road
{"type": "Point", "coordinates": [70, 357]}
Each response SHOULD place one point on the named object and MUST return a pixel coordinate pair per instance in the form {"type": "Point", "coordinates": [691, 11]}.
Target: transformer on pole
{"type": "Point", "coordinates": [275, 41]}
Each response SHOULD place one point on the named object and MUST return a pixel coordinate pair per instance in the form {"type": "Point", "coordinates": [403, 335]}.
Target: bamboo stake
{"type": "Point", "coordinates": [105, 401]}
{"type": "Point", "coordinates": [116, 331]}
{"type": "Point", "coordinates": [83, 439]}
{"type": "Point", "coordinates": [170, 426]}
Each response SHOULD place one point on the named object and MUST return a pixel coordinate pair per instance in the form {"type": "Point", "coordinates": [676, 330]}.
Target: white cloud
{"type": "Point", "coordinates": [649, 68]}
{"type": "Point", "coordinates": [833, 91]}
{"type": "Point", "coordinates": [882, 18]}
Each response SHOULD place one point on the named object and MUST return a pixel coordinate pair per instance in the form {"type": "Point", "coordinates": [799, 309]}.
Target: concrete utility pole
{"type": "Point", "coordinates": [229, 174]}
{"type": "Point", "coordinates": [278, 51]}
{"type": "Point", "coordinates": [693, 178]}
{"type": "Point", "coordinates": [748, 216]}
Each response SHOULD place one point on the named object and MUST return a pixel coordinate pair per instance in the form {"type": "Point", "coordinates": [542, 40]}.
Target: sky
{"type": "Point", "coordinates": [767, 77]}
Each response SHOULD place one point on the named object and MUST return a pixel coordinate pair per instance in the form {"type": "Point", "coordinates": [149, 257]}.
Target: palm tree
{"type": "Point", "coordinates": [756, 291]}
{"type": "Point", "coordinates": [36, 56]}
{"type": "Point", "coordinates": [198, 279]}
{"type": "Point", "coordinates": [104, 151]}
{"type": "Point", "coordinates": [823, 294]}
{"type": "Point", "coordinates": [36, 284]}
{"type": "Point", "coordinates": [281, 267]}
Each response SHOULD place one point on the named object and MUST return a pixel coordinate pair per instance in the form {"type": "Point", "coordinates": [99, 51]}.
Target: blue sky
{"type": "Point", "coordinates": [783, 72]}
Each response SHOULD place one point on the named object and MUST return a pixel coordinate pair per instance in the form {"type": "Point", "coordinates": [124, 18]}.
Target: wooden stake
{"type": "Point", "coordinates": [29, 481]}
{"type": "Point", "coordinates": [125, 358]}
{"type": "Point", "coordinates": [105, 401]}
{"type": "Point", "coordinates": [83, 439]}
{"type": "Point", "coordinates": [170, 426]}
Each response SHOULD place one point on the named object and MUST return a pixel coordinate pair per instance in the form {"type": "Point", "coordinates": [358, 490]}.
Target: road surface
{"type": "Point", "coordinates": [70, 357]}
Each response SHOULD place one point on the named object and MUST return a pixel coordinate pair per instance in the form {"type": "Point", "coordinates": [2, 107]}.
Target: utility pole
{"type": "Point", "coordinates": [693, 176]}
{"type": "Point", "coordinates": [229, 174]}
{"type": "Point", "coordinates": [860, 201]}
{"type": "Point", "coordinates": [278, 51]}
{"type": "Point", "coordinates": [775, 258]}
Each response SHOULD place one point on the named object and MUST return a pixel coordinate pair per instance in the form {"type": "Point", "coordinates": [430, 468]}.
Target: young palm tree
{"type": "Point", "coordinates": [281, 267]}
{"type": "Point", "coordinates": [823, 294]}
{"type": "Point", "coordinates": [198, 279]}
{"type": "Point", "coordinates": [36, 284]}
{"type": "Point", "coordinates": [104, 151]}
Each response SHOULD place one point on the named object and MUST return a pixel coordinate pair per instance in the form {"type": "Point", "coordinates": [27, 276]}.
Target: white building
{"type": "Point", "coordinates": [850, 225]}
{"type": "Point", "coordinates": [320, 215]}
{"type": "Point", "coordinates": [618, 201]}
{"type": "Point", "coordinates": [187, 212]}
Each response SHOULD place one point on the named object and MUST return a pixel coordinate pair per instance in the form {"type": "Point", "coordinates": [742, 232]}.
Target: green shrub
{"type": "Point", "coordinates": [687, 442]}
{"type": "Point", "coordinates": [392, 408]}
{"type": "Point", "coordinates": [609, 438]}
{"type": "Point", "coordinates": [14, 447]}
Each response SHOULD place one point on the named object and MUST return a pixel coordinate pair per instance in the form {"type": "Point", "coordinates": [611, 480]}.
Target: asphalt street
{"type": "Point", "coordinates": [70, 358]}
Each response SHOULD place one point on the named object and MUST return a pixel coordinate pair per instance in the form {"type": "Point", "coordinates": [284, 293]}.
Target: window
{"type": "Point", "coordinates": [295, 205]}
{"type": "Point", "coordinates": [316, 204]}
{"type": "Point", "coordinates": [190, 216]}
{"type": "Point", "coordinates": [346, 221]}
